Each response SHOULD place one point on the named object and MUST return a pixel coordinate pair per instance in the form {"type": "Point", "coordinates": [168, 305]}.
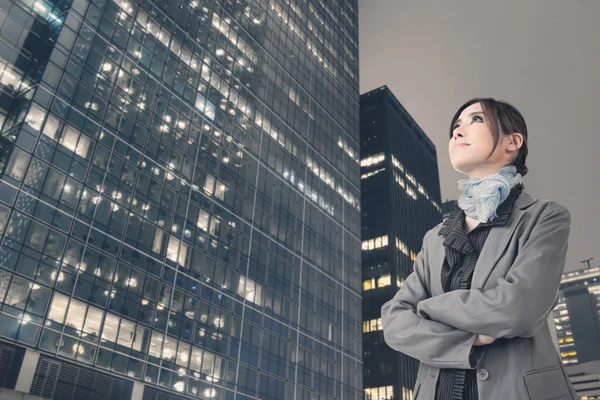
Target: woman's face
{"type": "Point", "coordinates": [472, 143]}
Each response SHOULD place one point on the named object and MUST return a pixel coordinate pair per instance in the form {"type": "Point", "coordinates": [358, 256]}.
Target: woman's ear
{"type": "Point", "coordinates": [515, 141]}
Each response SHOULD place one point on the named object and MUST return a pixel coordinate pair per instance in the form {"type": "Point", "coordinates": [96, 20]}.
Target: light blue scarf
{"type": "Point", "coordinates": [480, 198]}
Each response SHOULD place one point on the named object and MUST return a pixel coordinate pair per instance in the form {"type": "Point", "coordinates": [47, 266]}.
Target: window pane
{"type": "Point", "coordinates": [38, 299]}
{"type": "Point", "coordinates": [17, 164]}
{"type": "Point", "coordinates": [126, 333]}
{"type": "Point", "coordinates": [183, 354]}
{"type": "Point", "coordinates": [141, 338]}
{"type": "Point", "coordinates": [384, 280]}
{"type": "Point", "coordinates": [208, 363]}
{"type": "Point", "coordinates": [156, 344]}
{"type": "Point", "coordinates": [173, 248]}
{"type": "Point", "coordinates": [196, 360]}
{"type": "Point", "coordinates": [203, 220]}
{"type": "Point", "coordinates": [17, 293]}
{"type": "Point", "coordinates": [35, 117]}
{"type": "Point", "coordinates": [58, 308]}
{"type": "Point", "coordinates": [111, 326]}
{"type": "Point", "coordinates": [4, 211]}
{"type": "Point", "coordinates": [70, 138]}
{"type": "Point", "coordinates": [170, 349]}
{"type": "Point", "coordinates": [93, 321]}
{"type": "Point", "coordinates": [76, 314]}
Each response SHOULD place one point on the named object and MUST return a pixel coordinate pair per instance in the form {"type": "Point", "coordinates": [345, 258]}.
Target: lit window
{"type": "Point", "coordinates": [407, 394]}
{"type": "Point", "coordinates": [196, 359]}
{"type": "Point", "coordinates": [212, 366]}
{"type": "Point", "coordinates": [220, 190]}
{"type": "Point", "coordinates": [76, 314]}
{"type": "Point", "coordinates": [376, 243]}
{"type": "Point", "coordinates": [183, 354]}
{"type": "Point", "coordinates": [380, 393]}
{"type": "Point", "coordinates": [399, 282]}
{"type": "Point", "coordinates": [93, 321]}
{"type": "Point", "coordinates": [158, 241]}
{"type": "Point", "coordinates": [372, 325]}
{"type": "Point", "coordinates": [156, 344]}
{"type": "Point", "coordinates": [250, 290]}
{"type": "Point", "coordinates": [372, 160]}
{"type": "Point", "coordinates": [111, 327]}
{"type": "Point", "coordinates": [9, 76]}
{"type": "Point", "coordinates": [169, 349]}
{"type": "Point", "coordinates": [126, 333]}
{"type": "Point", "coordinates": [369, 284]}
{"type": "Point", "coordinates": [209, 184]}
{"type": "Point", "coordinates": [384, 280]}
{"type": "Point", "coordinates": [372, 173]}
{"type": "Point", "coordinates": [202, 223]}
{"type": "Point", "coordinates": [69, 139]}
{"type": "Point", "coordinates": [58, 308]}
{"type": "Point", "coordinates": [177, 251]}
{"type": "Point", "coordinates": [402, 246]}
{"type": "Point", "coordinates": [35, 117]}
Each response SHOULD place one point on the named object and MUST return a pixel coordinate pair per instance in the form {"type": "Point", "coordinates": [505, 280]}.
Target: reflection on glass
{"type": "Point", "coordinates": [111, 327]}
{"type": "Point", "coordinates": [141, 338]}
{"type": "Point", "coordinates": [169, 349]}
{"type": "Point", "coordinates": [17, 164]}
{"type": "Point", "coordinates": [17, 294]}
{"type": "Point", "coordinates": [183, 354]}
{"type": "Point", "coordinates": [126, 333]}
{"type": "Point", "coordinates": [156, 344]}
{"type": "Point", "coordinates": [35, 117]}
{"type": "Point", "coordinates": [58, 308]}
{"type": "Point", "coordinates": [4, 282]}
{"type": "Point", "coordinates": [203, 217]}
{"type": "Point", "coordinates": [250, 290]}
{"type": "Point", "coordinates": [93, 321]}
{"type": "Point", "coordinates": [76, 314]}
{"type": "Point", "coordinates": [196, 359]}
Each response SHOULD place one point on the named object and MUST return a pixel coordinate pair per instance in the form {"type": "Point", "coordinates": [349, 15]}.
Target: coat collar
{"type": "Point", "coordinates": [494, 248]}
{"type": "Point", "coordinates": [453, 228]}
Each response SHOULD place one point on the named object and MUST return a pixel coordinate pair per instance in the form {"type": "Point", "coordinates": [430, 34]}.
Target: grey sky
{"type": "Point", "coordinates": [543, 56]}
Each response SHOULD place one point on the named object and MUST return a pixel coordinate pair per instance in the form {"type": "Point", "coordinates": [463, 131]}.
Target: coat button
{"type": "Point", "coordinates": [483, 374]}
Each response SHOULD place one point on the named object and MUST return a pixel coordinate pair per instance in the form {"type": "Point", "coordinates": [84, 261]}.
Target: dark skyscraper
{"type": "Point", "coordinates": [576, 316]}
{"type": "Point", "coordinates": [179, 199]}
{"type": "Point", "coordinates": [448, 206]}
{"type": "Point", "coordinates": [400, 202]}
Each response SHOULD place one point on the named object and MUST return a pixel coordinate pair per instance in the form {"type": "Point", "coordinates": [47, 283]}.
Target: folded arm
{"type": "Point", "coordinates": [519, 304]}
{"type": "Point", "coordinates": [431, 342]}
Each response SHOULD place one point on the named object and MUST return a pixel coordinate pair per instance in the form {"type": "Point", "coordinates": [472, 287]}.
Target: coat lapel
{"type": "Point", "coordinates": [437, 257]}
{"type": "Point", "coordinates": [494, 247]}
{"type": "Point", "coordinates": [497, 241]}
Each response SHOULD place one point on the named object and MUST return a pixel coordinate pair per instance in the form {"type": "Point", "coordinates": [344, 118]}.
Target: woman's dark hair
{"type": "Point", "coordinates": [504, 119]}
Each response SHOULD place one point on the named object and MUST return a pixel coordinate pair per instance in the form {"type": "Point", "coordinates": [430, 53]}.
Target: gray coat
{"type": "Point", "coordinates": [514, 288]}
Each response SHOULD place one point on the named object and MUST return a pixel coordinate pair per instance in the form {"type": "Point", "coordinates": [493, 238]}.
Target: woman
{"type": "Point", "coordinates": [474, 311]}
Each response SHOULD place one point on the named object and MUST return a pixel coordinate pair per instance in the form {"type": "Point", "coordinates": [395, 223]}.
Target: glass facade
{"type": "Point", "coordinates": [179, 192]}
{"type": "Point", "coordinates": [400, 203]}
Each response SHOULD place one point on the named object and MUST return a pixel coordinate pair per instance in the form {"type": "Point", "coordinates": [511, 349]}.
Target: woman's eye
{"type": "Point", "coordinates": [477, 118]}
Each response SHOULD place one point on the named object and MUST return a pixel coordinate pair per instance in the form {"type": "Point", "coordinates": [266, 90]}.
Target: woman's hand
{"type": "Point", "coordinates": [483, 340]}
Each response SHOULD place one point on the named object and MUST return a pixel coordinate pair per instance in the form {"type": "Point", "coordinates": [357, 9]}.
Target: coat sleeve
{"type": "Point", "coordinates": [520, 303]}
{"type": "Point", "coordinates": [433, 343]}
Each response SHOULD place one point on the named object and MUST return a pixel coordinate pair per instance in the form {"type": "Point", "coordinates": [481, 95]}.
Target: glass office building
{"type": "Point", "coordinates": [179, 199]}
{"type": "Point", "coordinates": [400, 203]}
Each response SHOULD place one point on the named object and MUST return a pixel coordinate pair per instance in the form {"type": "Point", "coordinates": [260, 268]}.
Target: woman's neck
{"type": "Point", "coordinates": [470, 224]}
